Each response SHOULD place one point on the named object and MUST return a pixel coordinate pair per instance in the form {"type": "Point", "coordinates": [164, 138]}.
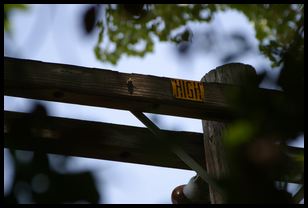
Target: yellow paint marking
{"type": "Point", "coordinates": [188, 90]}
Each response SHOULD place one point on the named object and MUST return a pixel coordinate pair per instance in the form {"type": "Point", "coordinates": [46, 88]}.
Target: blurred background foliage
{"type": "Point", "coordinates": [35, 180]}
{"type": "Point", "coordinates": [8, 9]}
{"type": "Point", "coordinates": [131, 29]}
{"type": "Point", "coordinates": [261, 121]}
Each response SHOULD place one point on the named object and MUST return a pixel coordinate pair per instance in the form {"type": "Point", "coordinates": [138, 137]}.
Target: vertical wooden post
{"type": "Point", "coordinates": [234, 73]}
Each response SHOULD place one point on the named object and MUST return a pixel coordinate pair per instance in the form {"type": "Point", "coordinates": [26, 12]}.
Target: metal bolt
{"type": "Point", "coordinates": [130, 86]}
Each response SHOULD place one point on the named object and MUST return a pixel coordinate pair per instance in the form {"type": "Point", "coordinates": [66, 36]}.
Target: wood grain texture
{"type": "Point", "coordinates": [106, 88]}
{"type": "Point", "coordinates": [106, 141]}
{"type": "Point", "coordinates": [216, 164]}
{"type": "Point", "coordinates": [98, 140]}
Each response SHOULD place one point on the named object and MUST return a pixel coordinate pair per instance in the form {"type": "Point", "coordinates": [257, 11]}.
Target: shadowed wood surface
{"type": "Point", "coordinates": [105, 141]}
{"type": "Point", "coordinates": [216, 164]}
{"type": "Point", "coordinates": [111, 89]}
{"type": "Point", "coordinates": [97, 140]}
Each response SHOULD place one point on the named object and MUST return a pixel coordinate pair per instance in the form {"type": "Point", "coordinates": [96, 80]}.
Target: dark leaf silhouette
{"type": "Point", "coordinates": [36, 180]}
{"type": "Point", "coordinates": [89, 19]}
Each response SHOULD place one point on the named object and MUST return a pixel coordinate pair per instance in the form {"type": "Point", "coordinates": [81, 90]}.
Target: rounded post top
{"type": "Point", "coordinates": [231, 73]}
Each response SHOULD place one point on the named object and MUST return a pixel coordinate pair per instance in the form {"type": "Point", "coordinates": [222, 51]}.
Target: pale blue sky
{"type": "Point", "coordinates": [63, 42]}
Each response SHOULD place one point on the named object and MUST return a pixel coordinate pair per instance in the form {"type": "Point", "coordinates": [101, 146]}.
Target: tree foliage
{"type": "Point", "coordinates": [8, 9]}
{"type": "Point", "coordinates": [131, 29]}
{"type": "Point", "coordinates": [35, 181]}
{"type": "Point", "coordinates": [261, 121]}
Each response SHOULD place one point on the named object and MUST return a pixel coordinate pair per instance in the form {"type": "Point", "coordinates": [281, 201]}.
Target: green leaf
{"type": "Point", "coordinates": [8, 9]}
{"type": "Point", "coordinates": [271, 22]}
{"type": "Point", "coordinates": [238, 133]}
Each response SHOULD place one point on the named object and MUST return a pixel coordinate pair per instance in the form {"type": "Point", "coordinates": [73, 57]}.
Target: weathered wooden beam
{"type": "Point", "coordinates": [98, 140]}
{"type": "Point", "coordinates": [176, 149]}
{"type": "Point", "coordinates": [111, 89]}
{"type": "Point", "coordinates": [105, 141]}
{"type": "Point", "coordinates": [299, 196]}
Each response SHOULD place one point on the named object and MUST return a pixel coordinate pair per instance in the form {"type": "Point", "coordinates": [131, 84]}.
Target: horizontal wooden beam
{"type": "Point", "coordinates": [97, 140]}
{"type": "Point", "coordinates": [112, 89]}
{"type": "Point", "coordinates": [105, 141]}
